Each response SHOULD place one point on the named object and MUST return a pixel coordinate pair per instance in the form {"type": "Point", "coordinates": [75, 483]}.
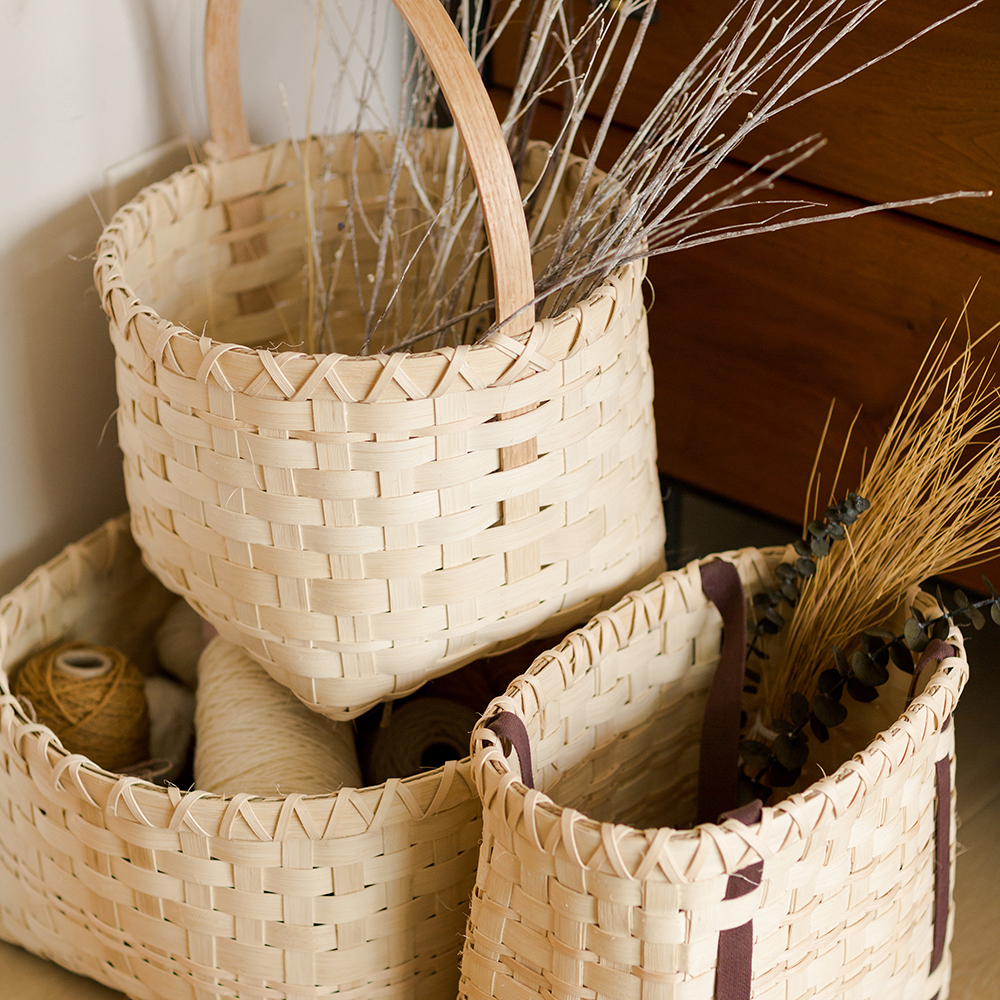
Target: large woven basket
{"type": "Point", "coordinates": [362, 524]}
{"type": "Point", "coordinates": [590, 886]}
{"type": "Point", "coordinates": [167, 894]}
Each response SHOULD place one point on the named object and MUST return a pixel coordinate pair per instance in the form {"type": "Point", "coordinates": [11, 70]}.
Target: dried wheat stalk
{"type": "Point", "coordinates": [934, 487]}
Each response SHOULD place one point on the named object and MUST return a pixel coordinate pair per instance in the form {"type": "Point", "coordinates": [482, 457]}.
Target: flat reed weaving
{"type": "Point", "coordinates": [361, 524]}
{"type": "Point", "coordinates": [167, 894]}
{"type": "Point", "coordinates": [590, 886]}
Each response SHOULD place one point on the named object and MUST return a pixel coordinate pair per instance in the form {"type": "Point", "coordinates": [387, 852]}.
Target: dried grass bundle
{"type": "Point", "coordinates": [745, 74]}
{"type": "Point", "coordinates": [934, 488]}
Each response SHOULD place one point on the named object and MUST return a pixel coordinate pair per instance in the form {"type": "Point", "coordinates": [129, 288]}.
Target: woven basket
{"type": "Point", "coordinates": [587, 887]}
{"type": "Point", "coordinates": [362, 524]}
{"type": "Point", "coordinates": [172, 895]}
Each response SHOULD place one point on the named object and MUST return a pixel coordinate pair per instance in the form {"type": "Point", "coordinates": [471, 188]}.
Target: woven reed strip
{"type": "Point", "coordinates": [571, 900]}
{"type": "Point", "coordinates": [166, 894]}
{"type": "Point", "coordinates": [342, 518]}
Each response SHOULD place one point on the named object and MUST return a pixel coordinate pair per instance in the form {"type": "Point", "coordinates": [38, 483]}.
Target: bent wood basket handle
{"type": "Point", "coordinates": [470, 106]}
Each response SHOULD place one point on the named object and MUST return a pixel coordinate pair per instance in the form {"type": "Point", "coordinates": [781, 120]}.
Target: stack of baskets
{"type": "Point", "coordinates": [359, 525]}
{"type": "Point", "coordinates": [593, 884]}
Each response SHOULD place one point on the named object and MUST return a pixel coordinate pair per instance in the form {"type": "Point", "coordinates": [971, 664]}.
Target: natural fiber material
{"type": "Point", "coordinates": [934, 487]}
{"type": "Point", "coordinates": [254, 737]}
{"type": "Point", "coordinates": [180, 640]}
{"type": "Point", "coordinates": [419, 736]}
{"type": "Point", "coordinates": [361, 524]}
{"type": "Point", "coordinates": [171, 725]}
{"type": "Point", "coordinates": [590, 886]}
{"type": "Point", "coordinates": [168, 894]}
{"type": "Point", "coordinates": [92, 698]}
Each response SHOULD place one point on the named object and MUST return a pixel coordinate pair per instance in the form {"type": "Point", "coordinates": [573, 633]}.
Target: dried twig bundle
{"type": "Point", "coordinates": [934, 488]}
{"type": "Point", "coordinates": [429, 284]}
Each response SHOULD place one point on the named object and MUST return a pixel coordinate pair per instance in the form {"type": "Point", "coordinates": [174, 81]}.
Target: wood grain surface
{"type": "Point", "coordinates": [775, 327]}
{"type": "Point", "coordinates": [779, 325]}
{"type": "Point", "coordinates": [924, 121]}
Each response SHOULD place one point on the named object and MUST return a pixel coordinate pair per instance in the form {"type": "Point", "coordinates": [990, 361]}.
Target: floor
{"type": "Point", "coordinates": [701, 525]}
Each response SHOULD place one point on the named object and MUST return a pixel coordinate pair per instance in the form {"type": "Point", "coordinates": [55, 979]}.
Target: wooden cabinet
{"type": "Point", "coordinates": [752, 338]}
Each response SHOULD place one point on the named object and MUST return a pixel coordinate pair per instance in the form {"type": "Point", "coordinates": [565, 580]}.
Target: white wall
{"type": "Point", "coordinates": [87, 88]}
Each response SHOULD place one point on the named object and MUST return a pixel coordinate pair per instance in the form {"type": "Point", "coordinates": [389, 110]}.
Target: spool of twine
{"type": "Point", "coordinates": [93, 699]}
{"type": "Point", "coordinates": [420, 735]}
{"type": "Point", "coordinates": [423, 731]}
{"type": "Point", "coordinates": [253, 735]}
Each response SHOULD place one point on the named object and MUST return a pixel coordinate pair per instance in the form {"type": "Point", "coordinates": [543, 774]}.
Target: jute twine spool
{"type": "Point", "coordinates": [253, 735]}
{"type": "Point", "coordinates": [93, 699]}
{"type": "Point", "coordinates": [423, 731]}
{"type": "Point", "coordinates": [420, 735]}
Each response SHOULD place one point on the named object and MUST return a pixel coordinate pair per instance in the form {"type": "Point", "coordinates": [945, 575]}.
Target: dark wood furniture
{"type": "Point", "coordinates": [752, 338]}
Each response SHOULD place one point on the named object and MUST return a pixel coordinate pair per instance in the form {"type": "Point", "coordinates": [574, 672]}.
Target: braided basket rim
{"type": "Point", "coordinates": [732, 844]}
{"type": "Point", "coordinates": [496, 362]}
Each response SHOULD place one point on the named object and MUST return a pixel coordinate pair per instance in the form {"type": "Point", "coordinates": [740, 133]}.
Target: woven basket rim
{"type": "Point", "coordinates": [732, 843]}
{"type": "Point", "coordinates": [136, 799]}
{"type": "Point", "coordinates": [498, 361]}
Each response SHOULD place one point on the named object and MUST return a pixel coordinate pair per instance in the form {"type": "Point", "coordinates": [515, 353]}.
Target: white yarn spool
{"type": "Point", "coordinates": [180, 640]}
{"type": "Point", "coordinates": [171, 723]}
{"type": "Point", "coordinates": [255, 736]}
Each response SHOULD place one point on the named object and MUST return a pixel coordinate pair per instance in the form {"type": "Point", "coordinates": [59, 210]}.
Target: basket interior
{"type": "Point", "coordinates": [620, 742]}
{"type": "Point", "coordinates": [254, 286]}
{"type": "Point", "coordinates": [116, 603]}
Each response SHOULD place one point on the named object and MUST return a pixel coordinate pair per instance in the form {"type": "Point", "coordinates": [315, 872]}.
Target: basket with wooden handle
{"type": "Point", "coordinates": [362, 524]}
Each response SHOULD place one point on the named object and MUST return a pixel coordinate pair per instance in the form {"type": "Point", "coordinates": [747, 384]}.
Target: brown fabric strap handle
{"type": "Point", "coordinates": [942, 856]}
{"type": "Point", "coordinates": [508, 726]}
{"type": "Point", "coordinates": [717, 775]}
{"type": "Point", "coordinates": [718, 769]}
{"type": "Point", "coordinates": [470, 106]}
{"type": "Point", "coordinates": [942, 848]}
{"type": "Point", "coordinates": [720, 732]}
{"type": "Point", "coordinates": [734, 958]}
{"type": "Point", "coordinates": [936, 649]}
